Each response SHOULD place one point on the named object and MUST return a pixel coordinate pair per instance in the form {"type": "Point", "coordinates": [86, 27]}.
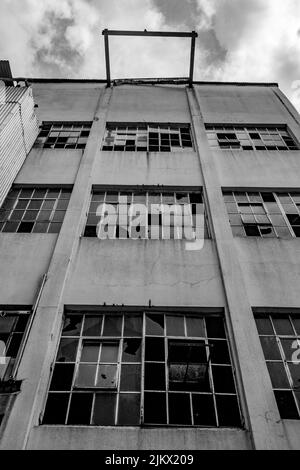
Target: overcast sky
{"type": "Point", "coordinates": [239, 40]}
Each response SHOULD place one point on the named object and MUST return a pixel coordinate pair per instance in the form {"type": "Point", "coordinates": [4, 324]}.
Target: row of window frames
{"type": "Point", "coordinates": [147, 198]}
{"type": "Point", "coordinates": [132, 325]}
{"type": "Point", "coordinates": [130, 350]}
{"type": "Point", "coordinates": [159, 408]}
{"type": "Point", "coordinates": [157, 377]}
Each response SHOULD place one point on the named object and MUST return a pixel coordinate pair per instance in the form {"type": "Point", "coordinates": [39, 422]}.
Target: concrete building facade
{"type": "Point", "coordinates": [196, 344]}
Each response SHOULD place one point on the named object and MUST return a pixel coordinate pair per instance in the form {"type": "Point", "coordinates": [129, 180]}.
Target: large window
{"type": "Point", "coordinates": [166, 215]}
{"type": "Point", "coordinates": [280, 340]}
{"type": "Point", "coordinates": [241, 137]}
{"type": "Point", "coordinates": [143, 368]}
{"type": "Point", "coordinates": [263, 214]}
{"type": "Point", "coordinates": [147, 137]}
{"type": "Point", "coordinates": [12, 328]}
{"type": "Point", "coordinates": [63, 135]}
{"type": "Point", "coordinates": [37, 210]}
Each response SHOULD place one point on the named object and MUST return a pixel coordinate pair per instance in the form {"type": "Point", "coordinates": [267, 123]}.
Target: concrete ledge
{"type": "Point", "coordinates": [129, 438]}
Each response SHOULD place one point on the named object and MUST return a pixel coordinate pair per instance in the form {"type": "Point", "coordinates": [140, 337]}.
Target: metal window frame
{"type": "Point", "coordinates": [109, 32]}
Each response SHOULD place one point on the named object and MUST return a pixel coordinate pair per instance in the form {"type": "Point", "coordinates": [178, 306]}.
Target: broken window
{"type": "Point", "coordinates": [34, 210]}
{"type": "Point", "coordinates": [263, 214]}
{"type": "Point", "coordinates": [241, 137]}
{"type": "Point", "coordinates": [146, 215]}
{"type": "Point", "coordinates": [142, 368]}
{"type": "Point", "coordinates": [147, 138]}
{"type": "Point", "coordinates": [63, 135]}
{"type": "Point", "coordinates": [280, 339]}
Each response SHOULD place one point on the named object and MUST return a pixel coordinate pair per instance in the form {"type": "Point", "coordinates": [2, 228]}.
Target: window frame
{"type": "Point", "coordinates": [211, 392]}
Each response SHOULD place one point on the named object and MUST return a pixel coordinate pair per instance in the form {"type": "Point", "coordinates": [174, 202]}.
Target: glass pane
{"type": "Point", "coordinates": [215, 327]}
{"type": "Point", "coordinates": [104, 409]}
{"type": "Point", "coordinates": [296, 322]}
{"type": "Point", "coordinates": [62, 377]}
{"type": "Point", "coordinates": [90, 352]}
{"type": "Point", "coordinates": [107, 376]}
{"type": "Point", "coordinates": [204, 410]}
{"type": "Point", "coordinates": [154, 349]}
{"type": "Point", "coordinates": [67, 350]}
{"type": "Point", "coordinates": [179, 408]}
{"type": "Point", "coordinates": [155, 408]}
{"type": "Point", "coordinates": [155, 376]}
{"type": "Point", "coordinates": [175, 325]}
{"type": "Point", "coordinates": [14, 344]}
{"type": "Point", "coordinates": [195, 327]}
{"type": "Point", "coordinates": [223, 379]}
{"type": "Point", "coordinates": [7, 324]}
{"type": "Point", "coordinates": [270, 347]}
{"type": "Point", "coordinates": [112, 325]}
{"type": "Point", "coordinates": [133, 325]}
{"type": "Point", "coordinates": [129, 409]}
{"type": "Point", "coordinates": [72, 325]}
{"type": "Point", "coordinates": [278, 375]}
{"type": "Point", "coordinates": [56, 408]}
{"type": "Point", "coordinates": [86, 375]}
{"type": "Point", "coordinates": [80, 408]}
{"type": "Point", "coordinates": [219, 353]}
{"type": "Point", "coordinates": [155, 325]}
{"type": "Point", "coordinates": [109, 352]}
{"type": "Point", "coordinates": [283, 326]}
{"type": "Point", "coordinates": [289, 347]}
{"type": "Point", "coordinates": [130, 378]}
{"type": "Point", "coordinates": [132, 350]}
{"type": "Point", "coordinates": [92, 325]}
{"type": "Point", "coordinates": [286, 404]}
{"type": "Point", "coordinates": [295, 373]}
{"type": "Point", "coordinates": [192, 377]}
{"type": "Point", "coordinates": [264, 326]}
{"type": "Point", "coordinates": [187, 352]}
{"type": "Point", "coordinates": [228, 410]}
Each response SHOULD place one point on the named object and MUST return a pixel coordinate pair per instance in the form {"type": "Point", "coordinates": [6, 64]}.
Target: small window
{"type": "Point", "coordinates": [34, 210]}
{"type": "Point", "coordinates": [63, 135]}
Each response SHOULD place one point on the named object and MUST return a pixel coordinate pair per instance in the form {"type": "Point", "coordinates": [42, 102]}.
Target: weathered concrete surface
{"type": "Point", "coordinates": [271, 268]}
{"type": "Point", "coordinates": [24, 258]}
{"type": "Point", "coordinates": [45, 166]}
{"type": "Point", "coordinates": [132, 168]}
{"type": "Point", "coordinates": [131, 272]}
{"type": "Point", "coordinates": [113, 438]}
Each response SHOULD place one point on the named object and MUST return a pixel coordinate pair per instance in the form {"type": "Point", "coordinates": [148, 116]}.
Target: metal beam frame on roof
{"type": "Point", "coordinates": [192, 34]}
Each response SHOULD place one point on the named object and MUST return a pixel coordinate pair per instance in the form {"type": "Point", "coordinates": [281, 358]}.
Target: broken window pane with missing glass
{"type": "Point", "coordinates": [63, 135]}
{"type": "Point", "coordinates": [137, 214]}
{"type": "Point", "coordinates": [241, 137]}
{"type": "Point", "coordinates": [34, 210]}
{"type": "Point", "coordinates": [142, 368]}
{"type": "Point", "coordinates": [280, 338]}
{"type": "Point", "coordinates": [263, 214]}
{"type": "Point", "coordinates": [139, 137]}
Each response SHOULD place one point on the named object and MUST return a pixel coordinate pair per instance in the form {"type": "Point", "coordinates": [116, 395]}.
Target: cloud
{"type": "Point", "coordinates": [239, 40]}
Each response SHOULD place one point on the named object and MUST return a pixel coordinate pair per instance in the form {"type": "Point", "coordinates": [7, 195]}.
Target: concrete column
{"type": "Point", "coordinates": [39, 352]}
{"type": "Point", "coordinates": [260, 410]}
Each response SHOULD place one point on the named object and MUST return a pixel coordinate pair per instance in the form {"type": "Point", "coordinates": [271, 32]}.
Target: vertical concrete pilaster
{"type": "Point", "coordinates": [35, 365]}
{"type": "Point", "coordinates": [260, 410]}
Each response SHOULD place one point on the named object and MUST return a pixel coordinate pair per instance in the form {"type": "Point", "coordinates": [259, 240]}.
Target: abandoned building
{"type": "Point", "coordinates": [148, 342]}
